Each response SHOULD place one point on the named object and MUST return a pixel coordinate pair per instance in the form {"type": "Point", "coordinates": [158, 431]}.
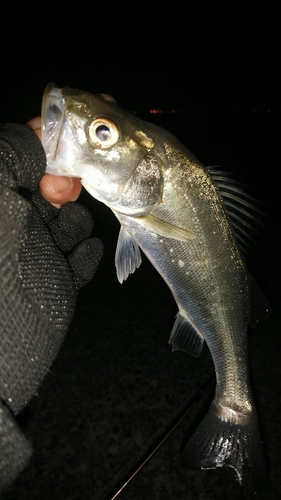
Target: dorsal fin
{"type": "Point", "coordinates": [242, 209]}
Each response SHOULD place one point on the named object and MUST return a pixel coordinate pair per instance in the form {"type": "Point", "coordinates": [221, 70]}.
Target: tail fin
{"type": "Point", "coordinates": [228, 439]}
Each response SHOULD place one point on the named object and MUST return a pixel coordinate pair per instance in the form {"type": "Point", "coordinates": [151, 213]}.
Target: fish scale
{"type": "Point", "coordinates": [174, 209]}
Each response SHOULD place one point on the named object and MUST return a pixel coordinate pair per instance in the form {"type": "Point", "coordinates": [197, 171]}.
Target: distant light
{"type": "Point", "coordinates": [256, 111]}
{"type": "Point", "coordinates": [161, 111]}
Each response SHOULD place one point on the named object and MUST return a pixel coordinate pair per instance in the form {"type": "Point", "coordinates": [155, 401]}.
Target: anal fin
{"type": "Point", "coordinates": [184, 337]}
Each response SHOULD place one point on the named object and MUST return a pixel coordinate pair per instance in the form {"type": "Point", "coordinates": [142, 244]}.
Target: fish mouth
{"type": "Point", "coordinates": [56, 133]}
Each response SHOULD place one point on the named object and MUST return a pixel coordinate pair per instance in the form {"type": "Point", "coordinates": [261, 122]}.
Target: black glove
{"type": "Point", "coordinates": [46, 255]}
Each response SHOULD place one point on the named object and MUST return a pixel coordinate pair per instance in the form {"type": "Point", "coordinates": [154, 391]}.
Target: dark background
{"type": "Point", "coordinates": [115, 385]}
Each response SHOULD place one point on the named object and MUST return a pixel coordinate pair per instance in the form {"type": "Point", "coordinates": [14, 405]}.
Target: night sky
{"type": "Point", "coordinates": [241, 76]}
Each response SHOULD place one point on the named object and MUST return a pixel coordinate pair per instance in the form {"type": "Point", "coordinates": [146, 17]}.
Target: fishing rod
{"type": "Point", "coordinates": [151, 449]}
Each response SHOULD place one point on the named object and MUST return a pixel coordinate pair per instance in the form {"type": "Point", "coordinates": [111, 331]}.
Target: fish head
{"type": "Point", "coordinates": [114, 153]}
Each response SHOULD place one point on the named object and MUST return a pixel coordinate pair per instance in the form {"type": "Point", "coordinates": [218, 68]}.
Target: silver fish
{"type": "Point", "coordinates": [182, 215]}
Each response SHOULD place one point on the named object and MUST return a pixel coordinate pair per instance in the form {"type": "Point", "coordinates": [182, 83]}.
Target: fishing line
{"type": "Point", "coordinates": [154, 444]}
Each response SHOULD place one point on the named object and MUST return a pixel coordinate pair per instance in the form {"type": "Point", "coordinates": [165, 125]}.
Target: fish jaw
{"type": "Point", "coordinates": [62, 150]}
{"type": "Point", "coordinates": [63, 139]}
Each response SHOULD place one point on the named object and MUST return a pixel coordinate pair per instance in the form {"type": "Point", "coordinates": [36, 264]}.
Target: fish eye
{"type": "Point", "coordinates": [103, 132]}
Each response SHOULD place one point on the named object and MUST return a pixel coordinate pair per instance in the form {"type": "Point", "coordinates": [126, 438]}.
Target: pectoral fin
{"type": "Point", "coordinates": [184, 337]}
{"type": "Point", "coordinates": [164, 228]}
{"type": "Point", "coordinates": [127, 255]}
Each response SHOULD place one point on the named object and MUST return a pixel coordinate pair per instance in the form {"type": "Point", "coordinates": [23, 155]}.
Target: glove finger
{"type": "Point", "coordinates": [15, 450]}
{"type": "Point", "coordinates": [84, 260]}
{"type": "Point", "coordinates": [47, 211]}
{"type": "Point", "coordinates": [69, 225]}
{"type": "Point", "coordinates": [23, 160]}
{"type": "Point", "coordinates": [73, 224]}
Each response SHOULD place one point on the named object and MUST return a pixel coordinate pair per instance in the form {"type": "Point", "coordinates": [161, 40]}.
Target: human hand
{"type": "Point", "coordinates": [35, 125]}
{"type": "Point", "coordinates": [46, 254]}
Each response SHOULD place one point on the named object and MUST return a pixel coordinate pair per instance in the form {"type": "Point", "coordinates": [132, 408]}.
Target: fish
{"type": "Point", "coordinates": [194, 224]}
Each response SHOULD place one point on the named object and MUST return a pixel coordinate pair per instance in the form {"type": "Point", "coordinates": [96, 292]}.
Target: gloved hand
{"type": "Point", "coordinates": [46, 255]}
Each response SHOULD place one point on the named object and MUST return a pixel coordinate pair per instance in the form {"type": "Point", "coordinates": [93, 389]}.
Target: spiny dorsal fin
{"type": "Point", "coordinates": [241, 208]}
